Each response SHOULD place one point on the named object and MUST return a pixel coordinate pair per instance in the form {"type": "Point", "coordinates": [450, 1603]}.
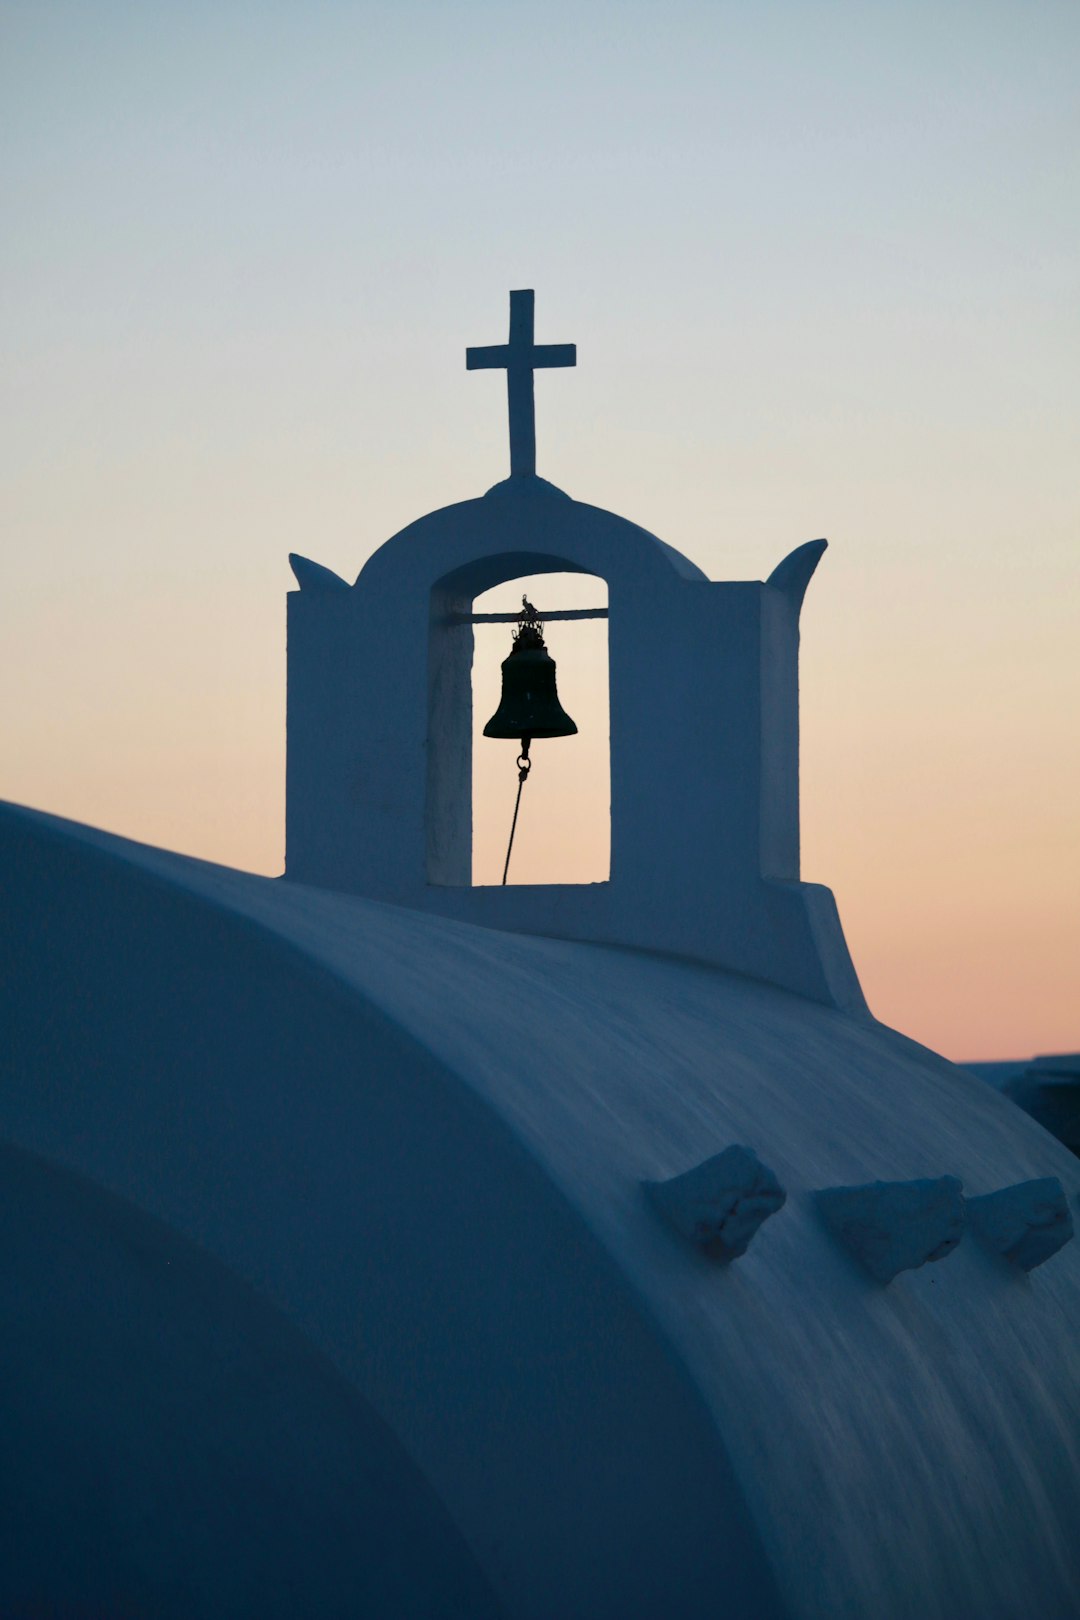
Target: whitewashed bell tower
{"type": "Point", "coordinates": [704, 726]}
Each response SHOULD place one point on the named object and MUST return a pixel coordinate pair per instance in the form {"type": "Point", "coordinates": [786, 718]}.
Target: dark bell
{"type": "Point", "coordinates": [530, 705]}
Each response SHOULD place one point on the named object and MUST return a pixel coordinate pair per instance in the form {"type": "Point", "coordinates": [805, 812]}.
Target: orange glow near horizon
{"type": "Point", "coordinates": [246, 250]}
{"type": "Point", "coordinates": [956, 880]}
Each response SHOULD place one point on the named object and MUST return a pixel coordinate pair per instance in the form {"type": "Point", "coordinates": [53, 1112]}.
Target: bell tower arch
{"type": "Point", "coordinates": [563, 829]}
{"type": "Point", "coordinates": [450, 646]}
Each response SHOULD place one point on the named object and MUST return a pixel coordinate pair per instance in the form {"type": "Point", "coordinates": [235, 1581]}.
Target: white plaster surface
{"type": "Point", "coordinates": [173, 1447]}
{"type": "Point", "coordinates": [424, 1143]}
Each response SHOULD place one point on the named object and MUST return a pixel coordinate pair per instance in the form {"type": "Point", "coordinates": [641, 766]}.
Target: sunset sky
{"type": "Point", "coordinates": [821, 265]}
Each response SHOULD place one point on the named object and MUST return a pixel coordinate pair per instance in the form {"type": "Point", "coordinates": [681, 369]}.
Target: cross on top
{"type": "Point", "coordinates": [520, 358]}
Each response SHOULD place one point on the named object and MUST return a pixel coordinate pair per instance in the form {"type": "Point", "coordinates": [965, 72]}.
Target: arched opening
{"type": "Point", "coordinates": [563, 832]}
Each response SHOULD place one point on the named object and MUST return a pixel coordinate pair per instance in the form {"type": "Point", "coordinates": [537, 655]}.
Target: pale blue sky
{"type": "Point", "coordinates": [821, 265]}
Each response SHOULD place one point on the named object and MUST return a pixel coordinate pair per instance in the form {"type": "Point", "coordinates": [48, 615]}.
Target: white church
{"type": "Point", "coordinates": [381, 1245]}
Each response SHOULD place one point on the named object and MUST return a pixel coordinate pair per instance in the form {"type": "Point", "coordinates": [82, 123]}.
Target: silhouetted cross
{"type": "Point", "coordinates": [520, 358]}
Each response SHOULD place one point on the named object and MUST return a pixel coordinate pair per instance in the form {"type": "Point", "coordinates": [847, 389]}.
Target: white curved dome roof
{"type": "Point", "coordinates": [425, 1141]}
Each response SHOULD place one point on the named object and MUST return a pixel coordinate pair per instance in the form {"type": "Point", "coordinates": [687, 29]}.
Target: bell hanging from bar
{"type": "Point", "coordinates": [530, 705]}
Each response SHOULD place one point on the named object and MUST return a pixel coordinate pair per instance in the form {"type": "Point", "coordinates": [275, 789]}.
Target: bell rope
{"type": "Point", "coordinates": [524, 765]}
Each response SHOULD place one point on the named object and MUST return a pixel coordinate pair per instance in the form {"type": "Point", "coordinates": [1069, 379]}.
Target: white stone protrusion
{"type": "Point", "coordinates": [1026, 1223]}
{"type": "Point", "coordinates": [894, 1226]}
{"type": "Point", "coordinates": [720, 1204]}
{"type": "Point", "coordinates": [794, 574]}
{"type": "Point", "coordinates": [313, 576]}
